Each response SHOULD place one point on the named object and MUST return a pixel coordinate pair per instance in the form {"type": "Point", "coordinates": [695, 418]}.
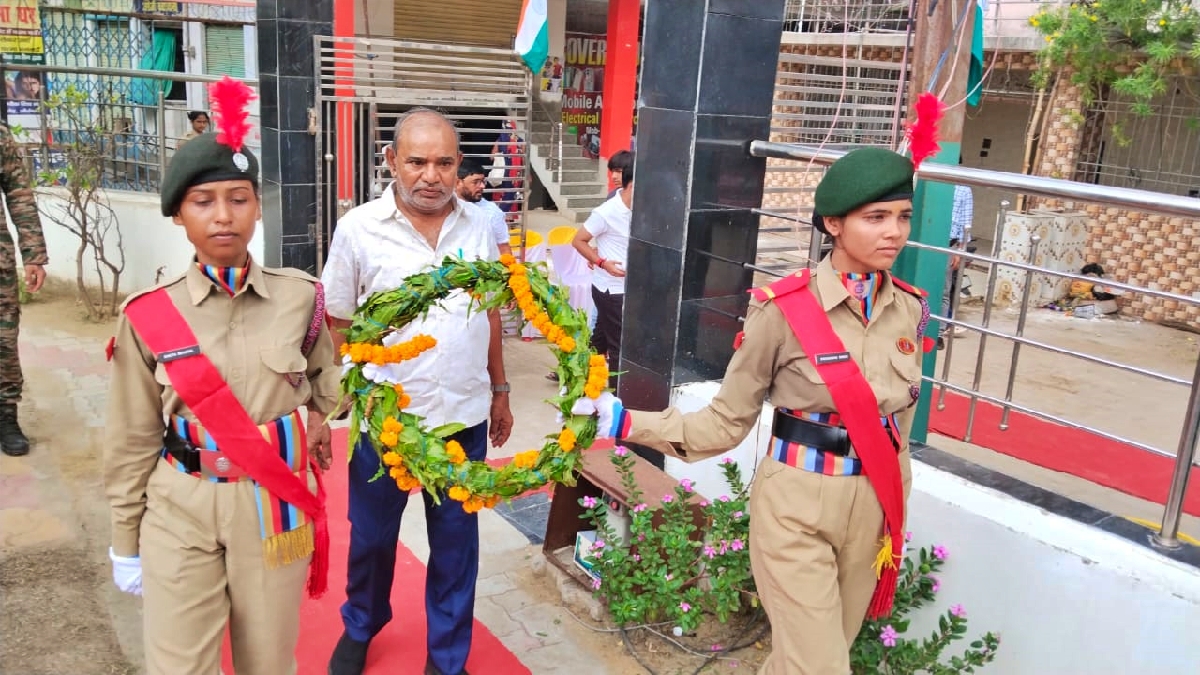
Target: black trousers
{"type": "Point", "coordinates": [606, 336]}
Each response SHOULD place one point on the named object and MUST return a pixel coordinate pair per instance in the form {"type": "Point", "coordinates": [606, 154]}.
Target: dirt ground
{"type": "Point", "coordinates": [57, 611]}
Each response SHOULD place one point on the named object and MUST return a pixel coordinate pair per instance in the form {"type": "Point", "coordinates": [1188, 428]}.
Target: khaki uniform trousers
{"type": "Point", "coordinates": [813, 541]}
{"type": "Point", "coordinates": [203, 568]}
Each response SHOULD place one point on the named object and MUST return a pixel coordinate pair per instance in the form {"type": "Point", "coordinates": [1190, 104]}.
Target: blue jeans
{"type": "Point", "coordinates": [375, 511]}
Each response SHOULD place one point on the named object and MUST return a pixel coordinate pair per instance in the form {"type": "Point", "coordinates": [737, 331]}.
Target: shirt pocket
{"type": "Point", "coordinates": [807, 370]}
{"type": "Point", "coordinates": [286, 363]}
{"type": "Point", "coordinates": [907, 369]}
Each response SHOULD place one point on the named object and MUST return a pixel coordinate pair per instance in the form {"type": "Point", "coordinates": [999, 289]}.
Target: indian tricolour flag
{"type": "Point", "coordinates": [533, 38]}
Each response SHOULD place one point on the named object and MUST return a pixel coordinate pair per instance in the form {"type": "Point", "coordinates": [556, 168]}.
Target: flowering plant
{"type": "Point", "coordinates": [1130, 45]}
{"type": "Point", "coordinates": [663, 571]}
{"type": "Point", "coordinates": [880, 648]}
{"type": "Point", "coordinates": [414, 455]}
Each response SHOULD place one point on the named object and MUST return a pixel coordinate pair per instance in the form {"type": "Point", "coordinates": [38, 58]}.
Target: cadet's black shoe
{"type": "Point", "coordinates": [349, 656]}
{"type": "Point", "coordinates": [12, 439]}
{"type": "Point", "coordinates": [431, 669]}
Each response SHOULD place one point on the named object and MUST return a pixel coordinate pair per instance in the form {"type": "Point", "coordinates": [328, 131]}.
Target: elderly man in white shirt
{"type": "Point", "coordinates": [410, 229]}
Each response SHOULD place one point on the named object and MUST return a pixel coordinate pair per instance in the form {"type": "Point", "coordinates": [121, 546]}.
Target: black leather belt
{"type": "Point", "coordinates": [185, 453]}
{"type": "Point", "coordinates": [825, 437]}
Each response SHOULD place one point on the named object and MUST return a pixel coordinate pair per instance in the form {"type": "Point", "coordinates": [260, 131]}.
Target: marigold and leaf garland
{"type": "Point", "coordinates": [414, 455]}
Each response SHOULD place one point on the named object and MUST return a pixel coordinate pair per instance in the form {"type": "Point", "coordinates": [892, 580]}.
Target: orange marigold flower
{"type": "Point", "coordinates": [491, 502]}
{"type": "Point", "coordinates": [473, 505]}
{"type": "Point", "coordinates": [592, 392]}
{"type": "Point", "coordinates": [389, 438]}
{"type": "Point", "coordinates": [392, 424]}
{"type": "Point", "coordinates": [454, 450]}
{"type": "Point", "coordinates": [459, 493]}
{"type": "Point", "coordinates": [408, 483]}
{"type": "Point", "coordinates": [397, 472]}
{"type": "Point", "coordinates": [526, 460]}
{"type": "Point", "coordinates": [517, 270]}
{"type": "Point", "coordinates": [567, 344]}
{"type": "Point", "coordinates": [345, 349]}
{"type": "Point", "coordinates": [597, 360]}
{"type": "Point", "coordinates": [403, 401]}
{"type": "Point", "coordinates": [393, 459]}
{"type": "Point", "coordinates": [566, 439]}
{"type": "Point", "coordinates": [507, 259]}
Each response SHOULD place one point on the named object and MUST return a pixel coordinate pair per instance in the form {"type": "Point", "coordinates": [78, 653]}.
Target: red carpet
{"type": "Point", "coordinates": [400, 648]}
{"type": "Point", "coordinates": [1073, 451]}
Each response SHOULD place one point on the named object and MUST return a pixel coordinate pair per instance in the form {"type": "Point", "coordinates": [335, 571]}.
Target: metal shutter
{"type": "Point", "coordinates": [224, 51]}
{"type": "Point", "coordinates": [488, 23]}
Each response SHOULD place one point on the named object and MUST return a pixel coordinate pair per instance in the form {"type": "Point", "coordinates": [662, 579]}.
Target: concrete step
{"type": "Point", "coordinates": [581, 164]}
{"type": "Point", "coordinates": [588, 203]}
{"type": "Point", "coordinates": [592, 189]}
{"type": "Point", "coordinates": [571, 175]}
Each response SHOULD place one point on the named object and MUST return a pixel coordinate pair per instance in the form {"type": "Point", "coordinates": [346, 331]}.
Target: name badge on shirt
{"type": "Point", "coordinates": [176, 354]}
{"type": "Point", "coordinates": [825, 359]}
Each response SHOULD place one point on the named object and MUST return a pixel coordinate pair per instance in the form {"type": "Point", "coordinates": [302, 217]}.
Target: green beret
{"type": "Point", "coordinates": [204, 160]}
{"type": "Point", "coordinates": [862, 176]}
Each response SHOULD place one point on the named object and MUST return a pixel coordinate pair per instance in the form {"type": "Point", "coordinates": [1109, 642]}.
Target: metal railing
{"type": "Point", "coordinates": [1185, 453]}
{"type": "Point", "coordinates": [135, 140]}
{"type": "Point", "coordinates": [1006, 20]}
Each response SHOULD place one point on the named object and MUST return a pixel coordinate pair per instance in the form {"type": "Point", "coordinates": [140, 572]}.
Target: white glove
{"type": "Point", "coordinates": [127, 572]}
{"type": "Point", "coordinates": [608, 407]}
{"type": "Point", "coordinates": [583, 406]}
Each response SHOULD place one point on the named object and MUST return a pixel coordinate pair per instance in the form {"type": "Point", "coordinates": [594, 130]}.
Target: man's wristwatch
{"type": "Point", "coordinates": [501, 388]}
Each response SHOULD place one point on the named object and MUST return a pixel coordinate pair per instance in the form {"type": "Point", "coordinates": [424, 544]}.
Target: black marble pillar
{"type": "Point", "coordinates": [289, 163]}
{"type": "Point", "coordinates": [708, 80]}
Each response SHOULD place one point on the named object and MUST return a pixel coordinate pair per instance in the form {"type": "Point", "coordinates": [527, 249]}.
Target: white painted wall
{"type": "Point", "coordinates": [1064, 597]}
{"type": "Point", "coordinates": [151, 241]}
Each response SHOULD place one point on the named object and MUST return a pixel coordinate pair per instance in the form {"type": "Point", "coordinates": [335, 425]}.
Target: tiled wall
{"type": "Point", "coordinates": [1154, 251]}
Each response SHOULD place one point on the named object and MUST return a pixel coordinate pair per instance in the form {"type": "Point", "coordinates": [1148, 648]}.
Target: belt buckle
{"type": "Point", "coordinates": [222, 464]}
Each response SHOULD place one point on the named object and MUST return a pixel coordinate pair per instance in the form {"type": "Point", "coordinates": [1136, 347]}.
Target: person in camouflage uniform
{"type": "Point", "coordinates": [18, 196]}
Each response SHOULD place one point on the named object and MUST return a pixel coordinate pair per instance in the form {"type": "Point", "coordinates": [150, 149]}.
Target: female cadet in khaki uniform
{"type": "Point", "coordinates": [215, 513]}
{"type": "Point", "coordinates": [817, 524]}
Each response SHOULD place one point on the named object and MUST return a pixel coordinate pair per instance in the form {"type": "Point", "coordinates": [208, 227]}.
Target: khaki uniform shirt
{"type": "Point", "coordinates": [770, 364]}
{"type": "Point", "coordinates": [253, 339]}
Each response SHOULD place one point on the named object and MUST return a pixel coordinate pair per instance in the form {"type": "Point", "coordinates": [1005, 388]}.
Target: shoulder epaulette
{"type": "Point", "coordinates": [909, 288]}
{"type": "Point", "coordinates": [146, 291]}
{"type": "Point", "coordinates": [290, 272]}
{"type": "Point", "coordinates": [788, 284]}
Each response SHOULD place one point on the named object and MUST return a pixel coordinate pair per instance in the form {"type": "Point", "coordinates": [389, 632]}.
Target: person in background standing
{"type": "Point", "coordinates": [19, 197]}
{"type": "Point", "coordinates": [508, 158]}
{"type": "Point", "coordinates": [608, 227]}
{"type": "Point", "coordinates": [199, 121]}
{"type": "Point", "coordinates": [961, 217]}
{"type": "Point", "coordinates": [616, 168]}
{"type": "Point", "coordinates": [471, 178]}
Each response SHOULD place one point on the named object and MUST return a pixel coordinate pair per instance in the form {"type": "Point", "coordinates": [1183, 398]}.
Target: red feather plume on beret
{"type": "Point", "coordinates": [229, 98]}
{"type": "Point", "coordinates": [923, 132]}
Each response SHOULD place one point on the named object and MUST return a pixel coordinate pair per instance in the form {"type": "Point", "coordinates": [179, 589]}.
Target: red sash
{"type": "Point", "coordinates": [859, 410]}
{"type": "Point", "coordinates": [201, 387]}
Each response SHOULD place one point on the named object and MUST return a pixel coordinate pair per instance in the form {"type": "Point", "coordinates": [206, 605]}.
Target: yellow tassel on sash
{"type": "Point", "coordinates": [286, 548]}
{"type": "Point", "coordinates": [885, 558]}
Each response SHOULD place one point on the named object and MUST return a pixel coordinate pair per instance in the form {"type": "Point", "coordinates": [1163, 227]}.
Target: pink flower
{"type": "Point", "coordinates": [717, 648]}
{"type": "Point", "coordinates": [589, 502]}
{"type": "Point", "coordinates": [667, 499]}
{"type": "Point", "coordinates": [641, 537]}
{"type": "Point", "coordinates": [598, 545]}
{"type": "Point", "coordinates": [937, 584]}
{"type": "Point", "coordinates": [958, 611]}
{"type": "Point", "coordinates": [703, 503]}
{"type": "Point", "coordinates": [908, 536]}
{"type": "Point", "coordinates": [710, 552]}
{"type": "Point", "coordinates": [723, 498]}
{"type": "Point", "coordinates": [640, 507]}
{"type": "Point", "coordinates": [637, 558]}
{"type": "Point", "coordinates": [737, 545]}
{"type": "Point", "coordinates": [940, 552]}
{"type": "Point", "coordinates": [669, 576]}
{"type": "Point", "coordinates": [686, 484]}
{"type": "Point", "coordinates": [888, 636]}
{"type": "Point", "coordinates": [727, 460]}
{"type": "Point", "coordinates": [685, 607]}
{"type": "Point", "coordinates": [595, 584]}
{"type": "Point", "coordinates": [737, 515]}
{"type": "Point", "coordinates": [620, 451]}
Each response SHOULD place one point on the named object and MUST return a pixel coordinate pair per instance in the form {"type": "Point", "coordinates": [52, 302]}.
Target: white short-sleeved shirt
{"type": "Point", "coordinates": [494, 218]}
{"type": "Point", "coordinates": [609, 227]}
{"type": "Point", "coordinates": [374, 249]}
